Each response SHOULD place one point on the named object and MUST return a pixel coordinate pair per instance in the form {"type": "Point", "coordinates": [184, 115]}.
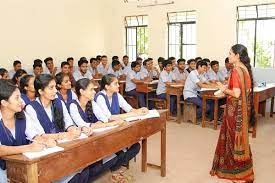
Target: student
{"type": "Point", "coordinates": [13, 139]}
{"type": "Point", "coordinates": [174, 62]}
{"type": "Point", "coordinates": [148, 72]}
{"type": "Point", "coordinates": [126, 66]}
{"type": "Point", "coordinates": [133, 77]}
{"type": "Point", "coordinates": [65, 69]}
{"type": "Point", "coordinates": [139, 60]}
{"type": "Point", "coordinates": [16, 66]}
{"type": "Point", "coordinates": [51, 119]}
{"type": "Point", "coordinates": [110, 102]}
{"type": "Point", "coordinates": [18, 75]}
{"type": "Point", "coordinates": [51, 69]}
{"type": "Point", "coordinates": [4, 73]}
{"type": "Point", "coordinates": [37, 69]}
{"type": "Point", "coordinates": [214, 74]}
{"type": "Point", "coordinates": [73, 68]}
{"type": "Point", "coordinates": [82, 111]}
{"type": "Point", "coordinates": [116, 69]}
{"type": "Point", "coordinates": [192, 85]}
{"type": "Point", "coordinates": [160, 63]}
{"type": "Point", "coordinates": [27, 90]}
{"type": "Point", "coordinates": [166, 77]}
{"type": "Point", "coordinates": [64, 88]}
{"type": "Point", "coordinates": [82, 71]}
{"type": "Point", "coordinates": [98, 59]}
{"type": "Point", "coordinates": [205, 77]}
{"type": "Point", "coordinates": [178, 74]}
{"type": "Point", "coordinates": [93, 68]}
{"type": "Point", "coordinates": [191, 66]}
{"type": "Point", "coordinates": [115, 58]}
{"type": "Point", "coordinates": [103, 68]}
{"type": "Point", "coordinates": [227, 70]}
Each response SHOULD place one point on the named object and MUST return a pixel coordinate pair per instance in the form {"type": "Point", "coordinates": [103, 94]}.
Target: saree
{"type": "Point", "coordinates": [233, 158]}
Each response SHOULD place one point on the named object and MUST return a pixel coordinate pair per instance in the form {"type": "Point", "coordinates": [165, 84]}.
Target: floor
{"type": "Point", "coordinates": [190, 150]}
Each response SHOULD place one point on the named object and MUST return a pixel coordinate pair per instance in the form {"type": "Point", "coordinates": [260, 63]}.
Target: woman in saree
{"type": "Point", "coordinates": [233, 158]}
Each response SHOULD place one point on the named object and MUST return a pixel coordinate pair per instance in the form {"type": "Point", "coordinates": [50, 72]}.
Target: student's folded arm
{"type": "Point", "coordinates": [136, 81]}
{"type": "Point", "coordinates": [11, 150]}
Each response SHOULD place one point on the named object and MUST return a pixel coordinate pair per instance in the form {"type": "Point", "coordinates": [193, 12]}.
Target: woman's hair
{"type": "Point", "coordinates": [6, 90]}
{"type": "Point", "coordinates": [17, 75]}
{"type": "Point", "coordinates": [59, 79]}
{"type": "Point", "coordinates": [24, 82]}
{"type": "Point", "coordinates": [106, 80]}
{"type": "Point", "coordinates": [244, 58]}
{"type": "Point", "coordinates": [83, 84]}
{"type": "Point", "coordinates": [40, 83]}
{"type": "Point", "coordinates": [3, 71]}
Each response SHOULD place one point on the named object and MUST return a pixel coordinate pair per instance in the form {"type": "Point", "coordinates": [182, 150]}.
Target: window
{"type": "Point", "coordinates": [255, 27]}
{"type": "Point", "coordinates": [182, 37]}
{"type": "Point", "coordinates": [136, 36]}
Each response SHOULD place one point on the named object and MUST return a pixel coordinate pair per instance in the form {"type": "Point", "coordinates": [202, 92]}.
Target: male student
{"type": "Point", "coordinates": [215, 74]}
{"type": "Point", "coordinates": [116, 69]}
{"type": "Point", "coordinates": [166, 77]}
{"type": "Point", "coordinates": [93, 68]}
{"type": "Point", "coordinates": [103, 68]}
{"type": "Point", "coordinates": [65, 69]}
{"type": "Point", "coordinates": [51, 69]}
{"type": "Point", "coordinates": [37, 69]}
{"type": "Point", "coordinates": [148, 72]}
{"type": "Point", "coordinates": [160, 63]}
{"type": "Point", "coordinates": [178, 74]}
{"type": "Point", "coordinates": [126, 66]}
{"type": "Point", "coordinates": [73, 68]}
{"type": "Point", "coordinates": [192, 86]}
{"type": "Point", "coordinates": [82, 71]}
{"type": "Point", "coordinates": [227, 70]}
{"type": "Point", "coordinates": [16, 66]}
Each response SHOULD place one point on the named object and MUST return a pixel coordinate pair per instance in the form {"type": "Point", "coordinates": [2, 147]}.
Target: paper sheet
{"type": "Point", "coordinates": [82, 136]}
{"type": "Point", "coordinates": [97, 130]}
{"type": "Point", "coordinates": [32, 155]}
{"type": "Point", "coordinates": [151, 114]}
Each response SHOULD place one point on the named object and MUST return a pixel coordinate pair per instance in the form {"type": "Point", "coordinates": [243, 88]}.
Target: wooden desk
{"type": "Point", "coordinates": [81, 153]}
{"type": "Point", "coordinates": [261, 94]}
{"type": "Point", "coordinates": [122, 86]}
{"type": "Point", "coordinates": [209, 95]}
{"type": "Point", "coordinates": [174, 89]}
{"type": "Point", "coordinates": [146, 87]}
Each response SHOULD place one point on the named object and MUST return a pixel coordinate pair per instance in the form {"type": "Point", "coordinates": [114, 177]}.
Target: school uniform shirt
{"type": "Point", "coordinates": [225, 73]}
{"type": "Point", "coordinates": [116, 73]}
{"type": "Point", "coordinates": [70, 96]}
{"type": "Point", "coordinates": [126, 69]}
{"type": "Point", "coordinates": [78, 120]}
{"type": "Point", "coordinates": [31, 117]}
{"type": "Point", "coordinates": [191, 88]}
{"type": "Point", "coordinates": [19, 133]}
{"type": "Point", "coordinates": [122, 103]}
{"type": "Point", "coordinates": [103, 70]}
{"type": "Point", "coordinates": [130, 85]}
{"type": "Point", "coordinates": [11, 73]}
{"type": "Point", "coordinates": [92, 71]}
{"type": "Point", "coordinates": [145, 73]}
{"type": "Point", "coordinates": [78, 75]}
{"type": "Point", "coordinates": [215, 76]}
{"type": "Point", "coordinates": [177, 75]}
{"type": "Point", "coordinates": [163, 78]}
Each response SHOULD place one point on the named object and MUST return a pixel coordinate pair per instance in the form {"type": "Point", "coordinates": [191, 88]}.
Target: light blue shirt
{"type": "Point", "coordinates": [130, 85]}
{"type": "Point", "coordinates": [216, 76]}
{"type": "Point", "coordinates": [103, 70]}
{"type": "Point", "coordinates": [145, 73]}
{"type": "Point", "coordinates": [116, 73]}
{"type": "Point", "coordinates": [177, 75]}
{"type": "Point", "coordinates": [78, 75]}
{"type": "Point", "coordinates": [127, 69]}
{"type": "Point", "coordinates": [190, 87]}
{"type": "Point", "coordinates": [163, 78]}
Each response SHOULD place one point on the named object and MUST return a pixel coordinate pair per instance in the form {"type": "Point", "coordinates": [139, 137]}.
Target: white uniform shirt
{"type": "Point", "coordinates": [163, 78]}
{"type": "Point", "coordinates": [191, 88]}
{"type": "Point", "coordinates": [177, 75]}
{"type": "Point", "coordinates": [78, 75]}
{"type": "Point", "coordinates": [130, 85]}
{"type": "Point", "coordinates": [103, 70]}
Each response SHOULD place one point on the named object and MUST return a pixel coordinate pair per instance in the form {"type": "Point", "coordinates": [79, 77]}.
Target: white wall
{"type": "Point", "coordinates": [216, 25]}
{"type": "Point", "coordinates": [58, 28]}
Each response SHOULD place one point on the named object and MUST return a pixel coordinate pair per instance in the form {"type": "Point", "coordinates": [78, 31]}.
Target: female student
{"type": "Point", "coordinates": [110, 102]}
{"type": "Point", "coordinates": [18, 75]}
{"type": "Point", "coordinates": [27, 89]}
{"type": "Point", "coordinates": [51, 119]}
{"type": "Point", "coordinates": [4, 73]}
{"type": "Point", "coordinates": [63, 85]}
{"type": "Point", "coordinates": [233, 158]}
{"type": "Point", "coordinates": [13, 138]}
{"type": "Point", "coordinates": [81, 111]}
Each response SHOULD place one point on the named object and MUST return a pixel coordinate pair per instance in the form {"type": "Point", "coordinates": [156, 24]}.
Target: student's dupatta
{"type": "Point", "coordinates": [241, 146]}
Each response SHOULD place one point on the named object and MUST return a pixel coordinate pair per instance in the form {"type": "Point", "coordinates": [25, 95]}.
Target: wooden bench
{"type": "Point", "coordinates": [189, 112]}
{"type": "Point", "coordinates": [159, 103]}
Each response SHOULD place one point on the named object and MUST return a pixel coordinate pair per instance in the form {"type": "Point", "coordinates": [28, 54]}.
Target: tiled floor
{"type": "Point", "coordinates": [190, 151]}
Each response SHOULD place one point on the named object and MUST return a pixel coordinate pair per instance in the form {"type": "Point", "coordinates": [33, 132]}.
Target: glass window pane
{"type": "Point", "coordinates": [189, 51]}
{"type": "Point", "coordinates": [247, 12]}
{"type": "Point", "coordinates": [266, 10]}
{"type": "Point", "coordinates": [265, 48]}
{"type": "Point", "coordinates": [246, 36]}
{"type": "Point", "coordinates": [142, 42]}
{"type": "Point", "coordinates": [189, 34]}
{"type": "Point", "coordinates": [174, 51]}
{"type": "Point", "coordinates": [174, 34]}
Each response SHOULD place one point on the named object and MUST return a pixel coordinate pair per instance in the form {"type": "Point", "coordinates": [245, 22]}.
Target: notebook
{"type": "Point", "coordinates": [152, 114]}
{"type": "Point", "coordinates": [32, 155]}
{"type": "Point", "coordinates": [82, 136]}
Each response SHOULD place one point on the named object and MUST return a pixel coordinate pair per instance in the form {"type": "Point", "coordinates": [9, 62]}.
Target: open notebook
{"type": "Point", "coordinates": [46, 151]}
{"type": "Point", "coordinates": [152, 114]}
{"type": "Point", "coordinates": [82, 136]}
